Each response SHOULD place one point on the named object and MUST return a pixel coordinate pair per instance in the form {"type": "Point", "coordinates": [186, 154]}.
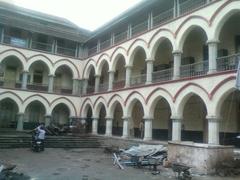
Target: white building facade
{"type": "Point", "coordinates": [173, 66]}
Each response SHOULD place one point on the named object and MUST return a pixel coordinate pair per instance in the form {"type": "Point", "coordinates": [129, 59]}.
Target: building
{"type": "Point", "coordinates": [170, 63]}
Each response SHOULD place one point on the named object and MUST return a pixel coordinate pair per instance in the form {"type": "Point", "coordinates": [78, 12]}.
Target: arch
{"type": "Point", "coordinates": [155, 96]}
{"type": "Point", "coordinates": [14, 97]}
{"type": "Point", "coordinates": [137, 44]}
{"type": "Point", "coordinates": [157, 38]}
{"type": "Point", "coordinates": [14, 53]}
{"type": "Point", "coordinates": [87, 68]}
{"type": "Point", "coordinates": [112, 104]}
{"type": "Point", "coordinates": [65, 101]}
{"type": "Point", "coordinates": [186, 27]}
{"type": "Point", "coordinates": [87, 102]}
{"type": "Point", "coordinates": [100, 66]}
{"type": "Point", "coordinates": [103, 56]}
{"type": "Point", "coordinates": [130, 101]}
{"type": "Point", "coordinates": [38, 98]}
{"type": "Point", "coordinates": [44, 59]}
{"type": "Point", "coordinates": [185, 93]}
{"type": "Point", "coordinates": [68, 63]}
{"type": "Point", "coordinates": [115, 57]}
{"type": "Point", "coordinates": [221, 15]}
{"type": "Point", "coordinates": [97, 105]}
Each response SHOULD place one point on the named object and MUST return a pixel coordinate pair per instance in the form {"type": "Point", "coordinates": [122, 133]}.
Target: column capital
{"type": "Point", "coordinates": [213, 118]}
{"type": "Point", "coordinates": [20, 113]}
{"type": "Point", "coordinates": [213, 41]}
{"type": "Point", "coordinates": [176, 117]}
{"type": "Point", "coordinates": [148, 119]}
{"type": "Point", "coordinates": [25, 71]}
{"type": "Point", "coordinates": [51, 75]}
{"type": "Point", "coordinates": [128, 66]}
{"type": "Point", "coordinates": [177, 52]}
{"type": "Point", "coordinates": [48, 116]}
{"type": "Point", "coordinates": [97, 75]}
{"type": "Point", "coordinates": [149, 60]}
{"type": "Point", "coordinates": [111, 71]}
{"type": "Point", "coordinates": [126, 118]}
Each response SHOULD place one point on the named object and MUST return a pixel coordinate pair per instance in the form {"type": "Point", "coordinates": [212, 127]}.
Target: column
{"type": "Point", "coordinates": [48, 120]}
{"type": "Point", "coordinates": [20, 120]}
{"type": "Point", "coordinates": [98, 46]}
{"type": "Point", "coordinates": [110, 80]}
{"type": "Point", "coordinates": [94, 125]}
{"type": "Point", "coordinates": [149, 70]}
{"type": "Point", "coordinates": [97, 83]}
{"type": "Point", "coordinates": [129, 31]}
{"type": "Point", "coordinates": [150, 21]}
{"type": "Point", "coordinates": [212, 55]}
{"type": "Point", "coordinates": [112, 39]}
{"type": "Point", "coordinates": [177, 8]}
{"type": "Point", "coordinates": [213, 130]}
{"type": "Point", "coordinates": [128, 76]}
{"type": "Point", "coordinates": [109, 122]}
{"type": "Point", "coordinates": [177, 63]}
{"type": "Point", "coordinates": [126, 127]}
{"type": "Point", "coordinates": [50, 83]}
{"type": "Point", "coordinates": [2, 35]}
{"type": "Point", "coordinates": [85, 85]}
{"type": "Point", "coordinates": [75, 87]}
{"type": "Point", "coordinates": [24, 79]}
{"type": "Point", "coordinates": [148, 129]}
{"type": "Point", "coordinates": [176, 128]}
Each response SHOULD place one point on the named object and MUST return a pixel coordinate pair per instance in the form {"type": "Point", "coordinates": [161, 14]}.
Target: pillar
{"type": "Point", "coordinates": [148, 129]}
{"type": "Point", "coordinates": [212, 56]}
{"type": "Point", "coordinates": [150, 21]}
{"type": "Point", "coordinates": [177, 63]}
{"type": "Point", "coordinates": [48, 120]}
{"type": "Point", "coordinates": [213, 130]}
{"type": "Point", "coordinates": [50, 83]}
{"type": "Point", "coordinates": [112, 39]}
{"type": "Point", "coordinates": [126, 127]}
{"type": "Point", "coordinates": [129, 31]}
{"type": "Point", "coordinates": [149, 70]}
{"type": "Point", "coordinates": [176, 128]}
{"type": "Point", "coordinates": [24, 79]}
{"type": "Point", "coordinates": [75, 87]}
{"type": "Point", "coordinates": [2, 35]}
{"type": "Point", "coordinates": [110, 80]}
{"type": "Point", "coordinates": [109, 122]}
{"type": "Point", "coordinates": [94, 125]}
{"type": "Point", "coordinates": [128, 76]}
{"type": "Point", "coordinates": [20, 119]}
{"type": "Point", "coordinates": [97, 82]}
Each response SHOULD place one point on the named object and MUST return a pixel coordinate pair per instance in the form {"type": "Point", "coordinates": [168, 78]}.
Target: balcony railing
{"type": "Point", "coordinates": [103, 87]}
{"type": "Point", "coordinates": [92, 51]}
{"type": "Point", "coordinates": [66, 51]}
{"type": "Point", "coordinates": [15, 41]}
{"type": "Point", "coordinates": [62, 90]}
{"type": "Point", "coordinates": [119, 84]}
{"type": "Point", "coordinates": [163, 17]}
{"type": "Point", "coordinates": [138, 80]}
{"type": "Point", "coordinates": [228, 62]}
{"type": "Point", "coordinates": [190, 5]}
{"type": "Point", "coordinates": [90, 89]}
{"type": "Point", "coordinates": [6, 83]}
{"type": "Point", "coordinates": [37, 87]}
{"type": "Point", "coordinates": [137, 29]}
{"type": "Point", "coordinates": [163, 75]}
{"type": "Point", "coordinates": [42, 46]}
{"type": "Point", "coordinates": [106, 44]}
{"type": "Point", "coordinates": [120, 37]}
{"type": "Point", "coordinates": [195, 69]}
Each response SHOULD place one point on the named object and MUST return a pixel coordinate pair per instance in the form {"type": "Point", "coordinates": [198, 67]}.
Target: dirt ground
{"type": "Point", "coordinates": [79, 164]}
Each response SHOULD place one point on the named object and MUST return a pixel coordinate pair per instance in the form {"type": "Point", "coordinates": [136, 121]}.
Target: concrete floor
{"type": "Point", "coordinates": [74, 164]}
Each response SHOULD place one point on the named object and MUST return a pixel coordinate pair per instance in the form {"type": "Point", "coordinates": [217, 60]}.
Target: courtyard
{"type": "Point", "coordinates": [78, 164]}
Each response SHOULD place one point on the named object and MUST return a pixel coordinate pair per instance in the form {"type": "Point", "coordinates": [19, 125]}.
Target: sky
{"type": "Point", "coordinates": [87, 14]}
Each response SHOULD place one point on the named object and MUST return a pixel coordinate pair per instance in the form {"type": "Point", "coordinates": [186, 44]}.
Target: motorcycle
{"type": "Point", "coordinates": [37, 145]}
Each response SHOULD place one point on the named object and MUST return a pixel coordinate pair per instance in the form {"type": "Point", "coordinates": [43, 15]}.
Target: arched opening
{"type": "Point", "coordinates": [34, 114]}
{"type": "Point", "coordinates": [119, 75]}
{"type": "Point", "coordinates": [229, 46]}
{"type": "Point", "coordinates": [139, 67]}
{"type": "Point", "coordinates": [163, 62]}
{"type": "Point", "coordinates": [8, 113]}
{"type": "Point", "coordinates": [162, 124]}
{"type": "Point", "coordinates": [63, 81]}
{"type": "Point", "coordinates": [89, 120]}
{"type": "Point", "coordinates": [195, 54]}
{"type": "Point", "coordinates": [91, 81]}
{"type": "Point", "coordinates": [11, 72]}
{"type": "Point", "coordinates": [38, 74]}
{"type": "Point", "coordinates": [102, 120]}
{"type": "Point", "coordinates": [230, 120]}
{"type": "Point", "coordinates": [60, 115]}
{"type": "Point", "coordinates": [117, 129]}
{"type": "Point", "coordinates": [194, 124]}
{"type": "Point", "coordinates": [103, 86]}
{"type": "Point", "coordinates": [136, 117]}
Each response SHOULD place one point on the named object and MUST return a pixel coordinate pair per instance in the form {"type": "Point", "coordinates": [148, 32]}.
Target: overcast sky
{"type": "Point", "coordinates": [88, 14]}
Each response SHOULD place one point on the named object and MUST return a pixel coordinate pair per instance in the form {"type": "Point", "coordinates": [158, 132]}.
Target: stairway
{"type": "Point", "coordinates": [24, 141]}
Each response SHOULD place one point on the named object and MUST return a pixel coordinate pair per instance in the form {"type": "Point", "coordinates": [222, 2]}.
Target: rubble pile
{"type": "Point", "coordinates": [7, 173]}
{"type": "Point", "coordinates": [228, 169]}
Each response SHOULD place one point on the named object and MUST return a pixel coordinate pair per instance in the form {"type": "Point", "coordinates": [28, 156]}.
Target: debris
{"type": "Point", "coordinates": [227, 169]}
{"type": "Point", "coordinates": [181, 170]}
